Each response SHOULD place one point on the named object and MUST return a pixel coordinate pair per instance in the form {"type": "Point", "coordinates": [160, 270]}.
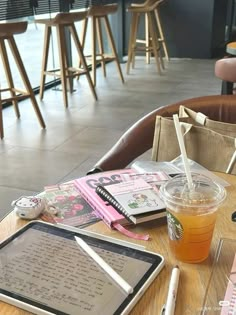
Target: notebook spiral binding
{"type": "Point", "coordinates": [106, 196]}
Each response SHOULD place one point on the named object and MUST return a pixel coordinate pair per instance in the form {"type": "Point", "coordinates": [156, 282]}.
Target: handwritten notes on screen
{"type": "Point", "coordinates": [54, 271]}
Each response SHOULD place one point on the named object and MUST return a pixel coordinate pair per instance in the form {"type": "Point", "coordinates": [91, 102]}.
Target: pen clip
{"type": "Point", "coordinates": [163, 310]}
{"type": "Point", "coordinates": [233, 216]}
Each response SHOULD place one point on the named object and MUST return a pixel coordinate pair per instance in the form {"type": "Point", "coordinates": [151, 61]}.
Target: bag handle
{"type": "Point", "coordinates": [232, 161]}
{"type": "Point", "coordinates": [185, 128]}
{"type": "Point", "coordinates": [199, 118]}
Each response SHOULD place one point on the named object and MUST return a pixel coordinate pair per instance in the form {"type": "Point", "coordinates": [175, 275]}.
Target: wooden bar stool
{"type": "Point", "coordinates": [61, 22]}
{"type": "Point", "coordinates": [161, 37]}
{"type": "Point", "coordinates": [152, 40]}
{"type": "Point", "coordinates": [7, 32]}
{"type": "Point", "coordinates": [97, 15]}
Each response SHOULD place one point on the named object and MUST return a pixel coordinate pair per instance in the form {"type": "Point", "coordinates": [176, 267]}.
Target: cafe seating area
{"type": "Point", "coordinates": [76, 138]}
{"type": "Point", "coordinates": [111, 85]}
{"type": "Point", "coordinates": [82, 126]}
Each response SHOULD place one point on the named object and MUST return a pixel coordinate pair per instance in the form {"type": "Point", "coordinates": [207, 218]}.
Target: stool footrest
{"type": "Point", "coordinates": [15, 90]}
{"type": "Point", "coordinates": [100, 58]}
{"type": "Point", "coordinates": [73, 72]}
{"type": "Point", "coordinates": [20, 91]}
{"type": "Point", "coordinates": [147, 49]}
{"type": "Point", "coordinates": [15, 98]}
{"type": "Point", "coordinates": [141, 41]}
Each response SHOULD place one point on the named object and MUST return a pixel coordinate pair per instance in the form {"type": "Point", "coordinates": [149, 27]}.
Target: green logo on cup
{"type": "Point", "coordinates": [175, 228]}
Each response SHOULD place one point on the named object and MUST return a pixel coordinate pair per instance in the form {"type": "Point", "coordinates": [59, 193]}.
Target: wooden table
{"type": "Point", "coordinates": [193, 277]}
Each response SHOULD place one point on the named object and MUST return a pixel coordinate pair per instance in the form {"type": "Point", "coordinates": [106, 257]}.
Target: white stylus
{"type": "Point", "coordinates": [107, 268]}
{"type": "Point", "coordinates": [169, 307]}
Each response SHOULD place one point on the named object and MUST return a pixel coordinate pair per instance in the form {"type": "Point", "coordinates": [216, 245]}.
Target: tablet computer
{"type": "Point", "coordinates": [44, 270]}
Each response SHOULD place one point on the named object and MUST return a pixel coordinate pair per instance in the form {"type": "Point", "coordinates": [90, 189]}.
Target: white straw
{"type": "Point", "coordinates": [183, 150]}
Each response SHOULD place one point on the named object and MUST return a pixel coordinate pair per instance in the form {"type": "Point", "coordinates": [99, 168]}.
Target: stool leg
{"type": "Point", "coordinates": [9, 78]}
{"type": "Point", "coordinates": [227, 88]}
{"type": "Point", "coordinates": [160, 56]}
{"type": "Point", "coordinates": [155, 44]}
{"type": "Point", "coordinates": [94, 62]}
{"type": "Point", "coordinates": [157, 39]}
{"type": "Point", "coordinates": [132, 39]}
{"type": "Point", "coordinates": [131, 34]}
{"type": "Point", "coordinates": [101, 46]}
{"type": "Point", "coordinates": [62, 50]}
{"type": "Point", "coordinates": [25, 79]}
{"type": "Point", "coordinates": [47, 36]}
{"type": "Point", "coordinates": [84, 32]}
{"type": "Point", "coordinates": [147, 39]}
{"type": "Point", "coordinates": [83, 38]}
{"type": "Point", "coordinates": [82, 58]}
{"type": "Point", "coordinates": [1, 120]}
{"type": "Point", "coordinates": [162, 38]}
{"type": "Point", "coordinates": [69, 77]}
{"type": "Point", "coordinates": [113, 47]}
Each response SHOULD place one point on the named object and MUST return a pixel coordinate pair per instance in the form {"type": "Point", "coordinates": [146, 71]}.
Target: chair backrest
{"type": "Point", "coordinates": [139, 137]}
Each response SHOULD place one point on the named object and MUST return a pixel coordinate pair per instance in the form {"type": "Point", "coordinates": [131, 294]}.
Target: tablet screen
{"type": "Point", "coordinates": [43, 266]}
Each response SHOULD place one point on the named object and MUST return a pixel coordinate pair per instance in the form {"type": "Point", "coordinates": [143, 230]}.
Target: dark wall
{"type": "Point", "coordinates": [220, 19]}
{"type": "Point", "coordinates": [187, 26]}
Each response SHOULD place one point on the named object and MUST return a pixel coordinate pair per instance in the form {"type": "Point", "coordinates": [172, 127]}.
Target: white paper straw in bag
{"type": "Point", "coordinates": [183, 150]}
{"type": "Point", "coordinates": [231, 163]}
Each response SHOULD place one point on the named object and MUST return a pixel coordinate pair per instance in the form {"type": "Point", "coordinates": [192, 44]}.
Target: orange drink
{"type": "Point", "coordinates": [190, 235]}
{"type": "Point", "coordinates": [191, 215]}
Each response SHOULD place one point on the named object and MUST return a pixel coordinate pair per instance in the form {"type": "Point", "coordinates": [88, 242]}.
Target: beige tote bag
{"type": "Point", "coordinates": [210, 143]}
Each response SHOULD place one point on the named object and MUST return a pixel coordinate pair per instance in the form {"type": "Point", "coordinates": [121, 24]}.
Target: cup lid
{"type": "Point", "coordinates": [204, 191]}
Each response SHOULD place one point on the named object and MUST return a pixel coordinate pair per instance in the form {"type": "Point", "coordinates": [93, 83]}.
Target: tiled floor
{"type": "Point", "coordinates": [77, 137]}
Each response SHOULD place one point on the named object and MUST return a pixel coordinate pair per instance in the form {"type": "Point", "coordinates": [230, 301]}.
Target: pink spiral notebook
{"type": "Point", "coordinates": [87, 186]}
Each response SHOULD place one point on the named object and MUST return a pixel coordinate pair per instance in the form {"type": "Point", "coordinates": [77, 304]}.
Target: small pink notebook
{"type": "Point", "coordinates": [87, 186]}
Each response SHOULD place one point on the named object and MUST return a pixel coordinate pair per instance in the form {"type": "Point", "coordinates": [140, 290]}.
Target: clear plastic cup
{"type": "Point", "coordinates": [191, 215]}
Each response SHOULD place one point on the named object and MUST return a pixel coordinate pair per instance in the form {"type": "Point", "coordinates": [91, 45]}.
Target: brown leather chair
{"type": "Point", "coordinates": [139, 137]}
